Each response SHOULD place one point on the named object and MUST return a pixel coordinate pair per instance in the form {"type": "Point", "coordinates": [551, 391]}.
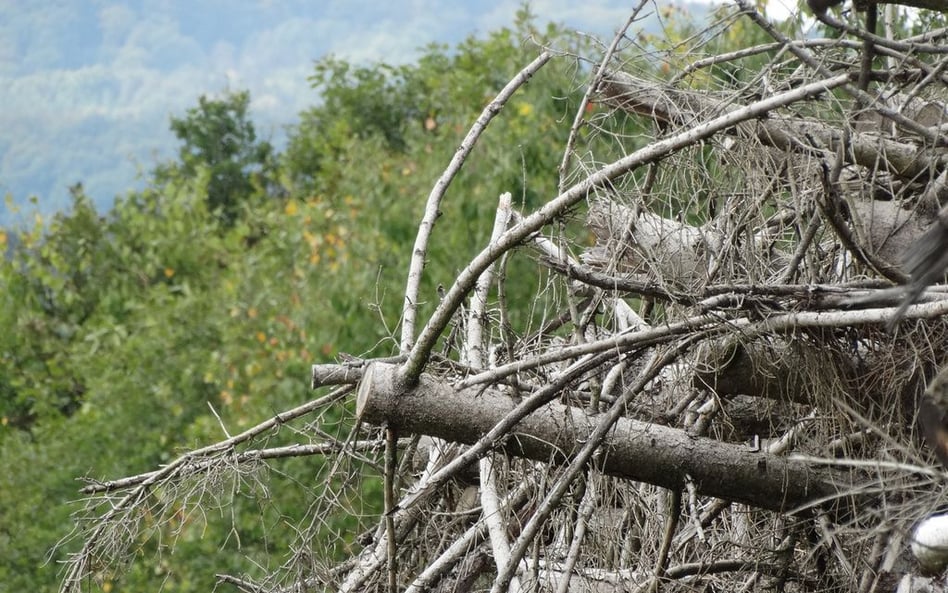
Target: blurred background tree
{"type": "Point", "coordinates": [219, 142]}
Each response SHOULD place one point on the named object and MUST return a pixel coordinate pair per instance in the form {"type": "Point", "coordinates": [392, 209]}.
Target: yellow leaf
{"type": "Point", "coordinates": [252, 312]}
{"type": "Point", "coordinates": [261, 337]}
{"type": "Point", "coordinates": [291, 208]}
{"type": "Point", "coordinates": [169, 272]}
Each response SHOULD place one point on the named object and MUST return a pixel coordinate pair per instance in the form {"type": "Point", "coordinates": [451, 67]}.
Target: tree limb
{"type": "Point", "coordinates": [635, 450]}
{"type": "Point", "coordinates": [432, 207]}
{"type": "Point", "coordinates": [465, 280]}
{"type": "Point", "coordinates": [664, 104]}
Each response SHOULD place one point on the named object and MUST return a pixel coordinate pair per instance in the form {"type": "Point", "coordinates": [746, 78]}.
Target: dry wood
{"type": "Point", "coordinates": [720, 355]}
{"type": "Point", "coordinates": [635, 450]}
{"type": "Point", "coordinates": [903, 159]}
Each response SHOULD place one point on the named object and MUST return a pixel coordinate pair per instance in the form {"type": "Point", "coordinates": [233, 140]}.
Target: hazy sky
{"type": "Point", "coordinates": [87, 87]}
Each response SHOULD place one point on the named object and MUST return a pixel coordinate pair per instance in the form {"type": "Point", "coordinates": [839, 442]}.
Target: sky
{"type": "Point", "coordinates": [87, 87]}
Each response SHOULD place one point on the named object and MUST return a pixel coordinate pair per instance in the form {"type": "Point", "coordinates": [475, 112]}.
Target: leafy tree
{"type": "Point", "coordinates": [219, 141]}
{"type": "Point", "coordinates": [52, 289]}
{"type": "Point", "coordinates": [122, 329]}
{"type": "Point", "coordinates": [400, 118]}
{"type": "Point", "coordinates": [119, 331]}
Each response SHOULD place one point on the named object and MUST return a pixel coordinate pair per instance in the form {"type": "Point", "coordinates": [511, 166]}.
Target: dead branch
{"type": "Point", "coordinates": [718, 362]}
{"type": "Point", "coordinates": [678, 255]}
{"type": "Point", "coordinates": [199, 466]}
{"type": "Point", "coordinates": [410, 306]}
{"type": "Point", "coordinates": [634, 450]}
{"type": "Point", "coordinates": [682, 108]}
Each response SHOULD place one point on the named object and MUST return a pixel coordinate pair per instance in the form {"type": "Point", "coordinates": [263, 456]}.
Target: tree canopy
{"type": "Point", "coordinates": [218, 141]}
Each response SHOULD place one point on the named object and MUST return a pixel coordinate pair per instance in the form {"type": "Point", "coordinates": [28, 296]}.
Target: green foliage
{"type": "Point", "coordinates": [118, 332]}
{"type": "Point", "coordinates": [383, 134]}
{"type": "Point", "coordinates": [218, 139]}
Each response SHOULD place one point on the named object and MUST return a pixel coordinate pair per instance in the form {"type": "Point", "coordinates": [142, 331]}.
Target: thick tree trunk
{"type": "Point", "coordinates": [635, 450]}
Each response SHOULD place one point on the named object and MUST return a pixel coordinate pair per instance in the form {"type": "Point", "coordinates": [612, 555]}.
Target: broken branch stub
{"type": "Point", "coordinates": [635, 450]}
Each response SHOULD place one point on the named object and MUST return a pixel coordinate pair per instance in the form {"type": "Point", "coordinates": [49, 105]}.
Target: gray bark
{"type": "Point", "coordinates": [906, 160]}
{"type": "Point", "coordinates": [635, 450]}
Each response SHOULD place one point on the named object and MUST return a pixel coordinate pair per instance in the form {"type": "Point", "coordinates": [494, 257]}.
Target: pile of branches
{"type": "Point", "coordinates": [718, 390]}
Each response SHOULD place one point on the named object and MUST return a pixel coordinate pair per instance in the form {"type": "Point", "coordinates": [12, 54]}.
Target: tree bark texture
{"type": "Point", "coordinates": [635, 450]}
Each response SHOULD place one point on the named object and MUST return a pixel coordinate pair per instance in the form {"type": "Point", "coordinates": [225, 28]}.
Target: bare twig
{"type": "Point", "coordinates": [806, 57]}
{"type": "Point", "coordinates": [590, 89]}
{"type": "Point", "coordinates": [80, 563]}
{"type": "Point", "coordinates": [671, 526]}
{"type": "Point", "coordinates": [198, 466]}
